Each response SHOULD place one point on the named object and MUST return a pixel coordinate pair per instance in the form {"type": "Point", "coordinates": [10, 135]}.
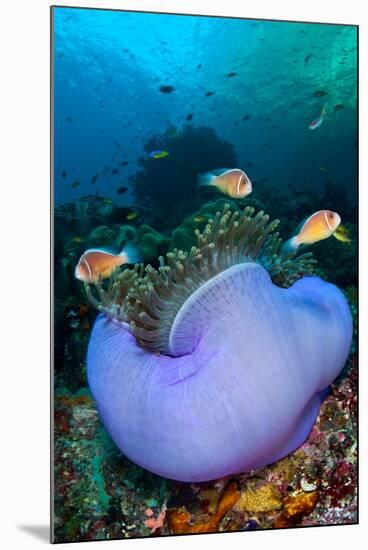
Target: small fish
{"type": "Point", "coordinates": [78, 239]}
{"type": "Point", "coordinates": [234, 182]}
{"type": "Point", "coordinates": [246, 117]}
{"type": "Point", "coordinates": [339, 107]}
{"type": "Point", "coordinates": [322, 168]}
{"type": "Point", "coordinates": [132, 216]}
{"type": "Point", "coordinates": [189, 117]}
{"type": "Point", "coordinates": [94, 178]}
{"type": "Point", "coordinates": [86, 326]}
{"type": "Point", "coordinates": [199, 66]}
{"type": "Point", "coordinates": [114, 171]}
{"type": "Point", "coordinates": [208, 94]}
{"type": "Point", "coordinates": [200, 218]}
{"type": "Point", "coordinates": [317, 227]}
{"type": "Point", "coordinates": [319, 93]}
{"type": "Point", "coordinates": [307, 58]}
{"type": "Point", "coordinates": [342, 234]}
{"type": "Point", "coordinates": [316, 122]}
{"type": "Point", "coordinates": [231, 74]}
{"type": "Point", "coordinates": [63, 175]}
{"type": "Point", "coordinates": [97, 264]}
{"type": "Point", "coordinates": [76, 184]}
{"type": "Point", "coordinates": [121, 190]}
{"type": "Point", "coordinates": [124, 163]}
{"type": "Point", "coordinates": [165, 89]}
{"type": "Point", "coordinates": [108, 201]}
{"type": "Point", "coordinates": [69, 118]}
{"type": "Point", "coordinates": [159, 154]}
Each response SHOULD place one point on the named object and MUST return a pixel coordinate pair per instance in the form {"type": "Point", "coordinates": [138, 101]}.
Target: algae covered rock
{"type": "Point", "coordinates": [183, 237]}
{"type": "Point", "coordinates": [125, 233]}
{"type": "Point", "coordinates": [151, 243]}
{"type": "Point", "coordinates": [101, 236]}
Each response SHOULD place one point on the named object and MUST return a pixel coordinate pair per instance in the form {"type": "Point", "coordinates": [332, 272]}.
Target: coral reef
{"type": "Point", "coordinates": [325, 464]}
{"type": "Point", "coordinates": [191, 151]}
{"type": "Point", "coordinates": [151, 243]}
{"type": "Point", "coordinates": [327, 461]}
{"type": "Point", "coordinates": [178, 521]}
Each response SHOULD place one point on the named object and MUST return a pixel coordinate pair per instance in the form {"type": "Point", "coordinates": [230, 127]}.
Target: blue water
{"type": "Point", "coordinates": [109, 66]}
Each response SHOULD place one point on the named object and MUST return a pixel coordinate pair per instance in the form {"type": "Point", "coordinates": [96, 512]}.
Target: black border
{"type": "Point", "coordinates": [52, 187]}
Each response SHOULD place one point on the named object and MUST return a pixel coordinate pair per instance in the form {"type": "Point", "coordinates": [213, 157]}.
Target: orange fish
{"type": "Point", "coordinates": [234, 183]}
{"type": "Point", "coordinates": [318, 226]}
{"type": "Point", "coordinates": [96, 264]}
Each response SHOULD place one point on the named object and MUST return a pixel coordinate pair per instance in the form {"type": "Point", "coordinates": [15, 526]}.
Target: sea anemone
{"type": "Point", "coordinates": [217, 362]}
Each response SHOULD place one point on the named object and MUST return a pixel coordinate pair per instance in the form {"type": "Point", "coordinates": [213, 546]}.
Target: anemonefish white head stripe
{"type": "Point", "coordinates": [317, 227]}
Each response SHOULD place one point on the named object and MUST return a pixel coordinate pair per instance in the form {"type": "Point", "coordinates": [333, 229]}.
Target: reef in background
{"type": "Point", "coordinates": [191, 151]}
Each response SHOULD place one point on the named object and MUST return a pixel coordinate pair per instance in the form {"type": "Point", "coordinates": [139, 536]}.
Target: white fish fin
{"type": "Point", "coordinates": [101, 250]}
{"type": "Point", "coordinates": [131, 253]}
{"type": "Point", "coordinates": [291, 245]}
{"type": "Point", "coordinates": [304, 222]}
{"type": "Point", "coordinates": [206, 179]}
{"type": "Point", "coordinates": [220, 171]}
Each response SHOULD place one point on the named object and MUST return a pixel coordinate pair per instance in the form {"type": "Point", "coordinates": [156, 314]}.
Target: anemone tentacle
{"type": "Point", "coordinates": [111, 300]}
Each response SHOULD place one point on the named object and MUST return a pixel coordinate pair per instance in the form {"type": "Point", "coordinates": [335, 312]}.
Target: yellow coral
{"type": "Point", "coordinates": [294, 507]}
{"type": "Point", "coordinates": [264, 499]}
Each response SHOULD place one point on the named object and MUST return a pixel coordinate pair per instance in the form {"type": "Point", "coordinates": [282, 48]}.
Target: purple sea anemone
{"type": "Point", "coordinates": [217, 362]}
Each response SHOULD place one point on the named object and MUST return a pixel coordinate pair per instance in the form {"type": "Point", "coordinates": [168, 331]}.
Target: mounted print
{"type": "Point", "coordinates": [205, 274]}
